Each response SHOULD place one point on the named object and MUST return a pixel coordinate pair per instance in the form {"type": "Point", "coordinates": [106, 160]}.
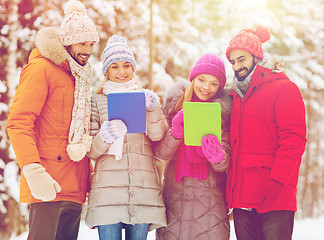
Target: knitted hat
{"type": "Point", "coordinates": [116, 50]}
{"type": "Point", "coordinates": [210, 64]}
{"type": "Point", "coordinates": [77, 27]}
{"type": "Point", "coordinates": [249, 40]}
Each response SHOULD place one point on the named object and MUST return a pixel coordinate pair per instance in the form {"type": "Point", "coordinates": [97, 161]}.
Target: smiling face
{"type": "Point", "coordinates": [205, 86]}
{"type": "Point", "coordinates": [120, 72]}
{"type": "Point", "coordinates": [81, 52]}
{"type": "Point", "coordinates": [243, 63]}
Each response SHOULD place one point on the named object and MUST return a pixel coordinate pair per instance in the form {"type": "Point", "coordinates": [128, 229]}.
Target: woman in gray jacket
{"type": "Point", "coordinates": [194, 179]}
{"type": "Point", "coordinates": [125, 190]}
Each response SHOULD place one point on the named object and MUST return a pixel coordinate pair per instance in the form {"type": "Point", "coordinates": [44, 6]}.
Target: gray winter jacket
{"type": "Point", "coordinates": [196, 209]}
{"type": "Point", "coordinates": [126, 190]}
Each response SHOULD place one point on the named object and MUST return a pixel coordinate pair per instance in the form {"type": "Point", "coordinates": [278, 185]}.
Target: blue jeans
{"type": "Point", "coordinates": [132, 232]}
{"type": "Point", "coordinates": [271, 225]}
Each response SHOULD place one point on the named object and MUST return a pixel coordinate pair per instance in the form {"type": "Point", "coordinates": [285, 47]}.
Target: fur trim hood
{"type": "Point", "coordinates": [177, 90]}
{"type": "Point", "coordinates": [173, 95]}
{"type": "Point", "coordinates": [49, 45]}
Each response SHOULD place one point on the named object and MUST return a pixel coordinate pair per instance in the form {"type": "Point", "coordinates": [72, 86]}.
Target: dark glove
{"type": "Point", "coordinates": [177, 130]}
{"type": "Point", "coordinates": [212, 148]}
{"type": "Point", "coordinates": [272, 190]}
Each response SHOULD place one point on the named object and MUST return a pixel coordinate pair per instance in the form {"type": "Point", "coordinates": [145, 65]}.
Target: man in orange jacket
{"type": "Point", "coordinates": [48, 125]}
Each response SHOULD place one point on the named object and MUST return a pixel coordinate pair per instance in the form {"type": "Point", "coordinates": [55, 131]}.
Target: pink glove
{"type": "Point", "coordinates": [111, 130]}
{"type": "Point", "coordinates": [212, 148]}
{"type": "Point", "coordinates": [272, 191]}
{"type": "Point", "coordinates": [177, 130]}
{"type": "Point", "coordinates": [151, 99]}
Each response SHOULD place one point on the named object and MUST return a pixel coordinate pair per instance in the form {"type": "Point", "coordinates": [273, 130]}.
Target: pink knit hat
{"type": "Point", "coordinates": [210, 64]}
{"type": "Point", "coordinates": [249, 40]}
{"type": "Point", "coordinates": [77, 27]}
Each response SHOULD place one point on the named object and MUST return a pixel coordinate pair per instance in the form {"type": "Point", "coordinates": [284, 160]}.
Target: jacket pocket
{"type": "Point", "coordinates": [263, 161]}
{"type": "Point", "coordinates": [54, 154]}
{"type": "Point", "coordinates": [58, 107]}
{"type": "Point", "coordinates": [255, 172]}
{"type": "Point", "coordinates": [72, 176]}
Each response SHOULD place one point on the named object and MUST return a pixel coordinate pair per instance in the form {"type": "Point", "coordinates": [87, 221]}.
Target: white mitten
{"type": "Point", "coordinates": [111, 130]}
{"type": "Point", "coordinates": [151, 99]}
{"type": "Point", "coordinates": [41, 184]}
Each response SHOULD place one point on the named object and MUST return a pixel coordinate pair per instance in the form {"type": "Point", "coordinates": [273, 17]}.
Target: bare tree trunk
{"type": "Point", "coordinates": [11, 219]}
{"type": "Point", "coordinates": [151, 37]}
{"type": "Point", "coordinates": [303, 182]}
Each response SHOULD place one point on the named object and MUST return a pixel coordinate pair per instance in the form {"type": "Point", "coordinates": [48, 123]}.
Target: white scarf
{"type": "Point", "coordinates": [113, 87]}
{"type": "Point", "coordinates": [79, 133]}
{"type": "Point", "coordinates": [116, 148]}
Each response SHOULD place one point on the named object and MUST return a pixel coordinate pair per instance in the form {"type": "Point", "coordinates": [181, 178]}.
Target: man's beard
{"type": "Point", "coordinates": [80, 60]}
{"type": "Point", "coordinates": [248, 71]}
{"type": "Point", "coordinates": [77, 58]}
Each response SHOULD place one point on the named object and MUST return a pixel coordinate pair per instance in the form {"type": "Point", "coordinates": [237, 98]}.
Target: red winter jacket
{"type": "Point", "coordinates": [268, 137]}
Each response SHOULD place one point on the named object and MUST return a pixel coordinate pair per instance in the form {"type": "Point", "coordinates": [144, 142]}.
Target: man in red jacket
{"type": "Point", "coordinates": [48, 126]}
{"type": "Point", "coordinates": [268, 137]}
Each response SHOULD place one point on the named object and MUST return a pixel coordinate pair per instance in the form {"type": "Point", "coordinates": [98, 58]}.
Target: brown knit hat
{"type": "Point", "coordinates": [249, 40]}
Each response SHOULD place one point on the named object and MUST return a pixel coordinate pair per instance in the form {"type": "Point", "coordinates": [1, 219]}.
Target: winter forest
{"type": "Point", "coordinates": [167, 37]}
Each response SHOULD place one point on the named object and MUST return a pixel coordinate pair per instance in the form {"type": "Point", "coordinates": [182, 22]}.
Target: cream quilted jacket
{"type": "Point", "coordinates": [127, 190]}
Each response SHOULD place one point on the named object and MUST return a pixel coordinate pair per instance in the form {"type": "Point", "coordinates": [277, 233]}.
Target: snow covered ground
{"type": "Point", "coordinates": [310, 228]}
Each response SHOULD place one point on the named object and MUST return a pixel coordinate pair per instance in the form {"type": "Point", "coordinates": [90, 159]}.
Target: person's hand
{"type": "Point", "coordinates": [212, 148]}
{"type": "Point", "coordinates": [41, 184]}
{"type": "Point", "coordinates": [177, 129]}
{"type": "Point", "coordinates": [111, 130]}
{"type": "Point", "coordinates": [151, 99]}
{"type": "Point", "coordinates": [272, 190]}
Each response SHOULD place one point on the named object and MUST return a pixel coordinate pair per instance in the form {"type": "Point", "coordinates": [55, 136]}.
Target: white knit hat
{"type": "Point", "coordinates": [117, 50]}
{"type": "Point", "coordinates": [77, 27]}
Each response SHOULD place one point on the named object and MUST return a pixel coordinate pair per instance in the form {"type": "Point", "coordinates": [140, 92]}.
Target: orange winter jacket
{"type": "Point", "coordinates": [40, 117]}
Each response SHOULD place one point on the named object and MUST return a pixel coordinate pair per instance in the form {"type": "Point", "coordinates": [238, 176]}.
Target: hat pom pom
{"type": "Point", "coordinates": [76, 151]}
{"type": "Point", "coordinates": [263, 33]}
{"type": "Point", "coordinates": [74, 6]}
{"type": "Point", "coordinates": [116, 39]}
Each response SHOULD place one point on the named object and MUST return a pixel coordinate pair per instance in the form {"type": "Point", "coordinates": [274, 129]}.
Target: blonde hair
{"type": "Point", "coordinates": [186, 97]}
{"type": "Point", "coordinates": [99, 89]}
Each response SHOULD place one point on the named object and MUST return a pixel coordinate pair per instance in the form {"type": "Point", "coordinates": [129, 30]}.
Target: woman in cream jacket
{"type": "Point", "coordinates": [125, 190]}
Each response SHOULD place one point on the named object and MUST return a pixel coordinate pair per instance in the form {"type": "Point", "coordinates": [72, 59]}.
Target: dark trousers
{"type": "Point", "coordinates": [273, 225]}
{"type": "Point", "coordinates": [54, 220]}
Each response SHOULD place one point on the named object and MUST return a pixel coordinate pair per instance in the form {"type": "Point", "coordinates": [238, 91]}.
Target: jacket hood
{"type": "Point", "coordinates": [173, 95]}
{"type": "Point", "coordinates": [268, 72]}
{"type": "Point", "coordinates": [49, 45]}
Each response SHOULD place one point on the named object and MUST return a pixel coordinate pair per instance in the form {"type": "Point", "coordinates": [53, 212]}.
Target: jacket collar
{"type": "Point", "coordinates": [49, 46]}
{"type": "Point", "coordinates": [261, 74]}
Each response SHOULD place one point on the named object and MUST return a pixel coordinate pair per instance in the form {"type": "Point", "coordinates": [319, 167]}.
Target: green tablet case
{"type": "Point", "coordinates": [200, 119]}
